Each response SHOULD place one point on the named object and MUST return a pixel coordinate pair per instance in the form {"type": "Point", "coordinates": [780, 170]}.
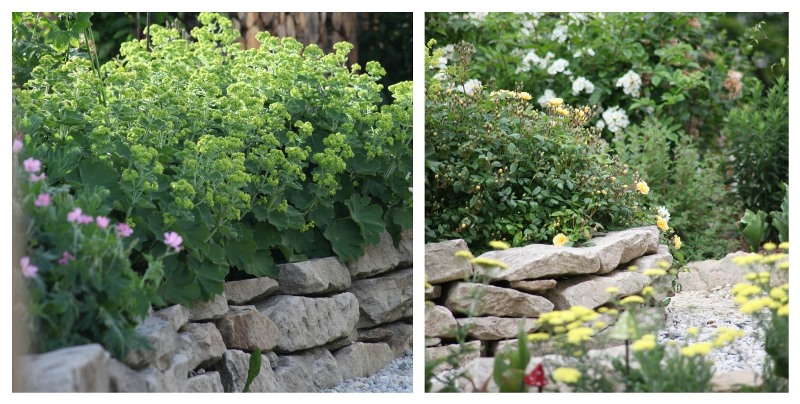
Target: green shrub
{"type": "Point", "coordinates": [81, 285]}
{"type": "Point", "coordinates": [690, 188]}
{"type": "Point", "coordinates": [678, 65]}
{"type": "Point", "coordinates": [757, 135]}
{"type": "Point", "coordinates": [498, 169]}
{"type": "Point", "coordinates": [254, 157]}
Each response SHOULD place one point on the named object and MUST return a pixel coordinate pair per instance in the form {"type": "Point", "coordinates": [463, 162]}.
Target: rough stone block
{"type": "Point", "coordinates": [246, 328]}
{"type": "Point", "coordinates": [212, 310]}
{"type": "Point", "coordinates": [472, 351]}
{"type": "Point", "coordinates": [308, 371]}
{"type": "Point", "coordinates": [208, 382]}
{"type": "Point", "coordinates": [439, 322]}
{"type": "Point", "coordinates": [162, 337]}
{"type": "Point", "coordinates": [495, 301]}
{"type": "Point", "coordinates": [318, 276]}
{"type": "Point", "coordinates": [441, 264]}
{"type": "Point", "coordinates": [177, 315]}
{"type": "Point", "coordinates": [78, 369]}
{"type": "Point", "coordinates": [307, 322]}
{"type": "Point", "coordinates": [202, 344]}
{"type": "Point", "coordinates": [496, 328]}
{"type": "Point", "coordinates": [362, 360]}
{"type": "Point", "coordinates": [233, 373]}
{"type": "Point", "coordinates": [249, 290]}
{"type": "Point", "coordinates": [406, 249]}
{"type": "Point", "coordinates": [377, 259]}
{"type": "Point", "coordinates": [384, 299]}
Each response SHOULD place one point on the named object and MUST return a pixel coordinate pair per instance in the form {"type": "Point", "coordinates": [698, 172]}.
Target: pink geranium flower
{"type": "Point", "coordinates": [102, 222]}
{"type": "Point", "coordinates": [172, 239]}
{"type": "Point", "coordinates": [32, 165]}
{"type": "Point", "coordinates": [28, 270]}
{"type": "Point", "coordinates": [42, 201]}
{"type": "Point", "coordinates": [17, 147]}
{"type": "Point", "coordinates": [37, 178]}
{"type": "Point", "coordinates": [75, 215]}
{"type": "Point", "coordinates": [124, 230]}
{"type": "Point", "coordinates": [66, 258]}
{"type": "Point", "coordinates": [83, 219]}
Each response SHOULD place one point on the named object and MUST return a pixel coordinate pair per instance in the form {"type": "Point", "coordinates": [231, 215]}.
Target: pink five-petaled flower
{"type": "Point", "coordinates": [173, 240]}
{"type": "Point", "coordinates": [83, 219]}
{"type": "Point", "coordinates": [17, 147]}
{"type": "Point", "coordinates": [75, 215]}
{"type": "Point", "coordinates": [42, 201]}
{"type": "Point", "coordinates": [37, 178]}
{"type": "Point", "coordinates": [32, 165]}
{"type": "Point", "coordinates": [124, 230]}
{"type": "Point", "coordinates": [28, 270]}
{"type": "Point", "coordinates": [102, 221]}
{"type": "Point", "coordinates": [66, 258]}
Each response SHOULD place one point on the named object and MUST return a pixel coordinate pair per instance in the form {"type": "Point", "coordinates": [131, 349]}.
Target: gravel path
{"type": "Point", "coordinates": [393, 378]}
{"type": "Point", "coordinates": [708, 310]}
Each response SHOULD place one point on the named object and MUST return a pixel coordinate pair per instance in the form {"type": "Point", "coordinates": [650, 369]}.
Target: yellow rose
{"type": "Point", "coordinates": [642, 187]}
{"type": "Point", "coordinates": [560, 239]}
{"type": "Point", "coordinates": [662, 223]}
{"type": "Point", "coordinates": [524, 96]}
{"type": "Point", "coordinates": [556, 101]}
{"type": "Point", "coordinates": [676, 240]}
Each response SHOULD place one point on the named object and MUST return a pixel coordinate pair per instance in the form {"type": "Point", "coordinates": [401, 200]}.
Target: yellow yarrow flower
{"type": "Point", "coordinates": [642, 187]}
{"type": "Point", "coordinates": [559, 329]}
{"type": "Point", "coordinates": [676, 241]}
{"type": "Point", "coordinates": [755, 305]}
{"type": "Point", "coordinates": [700, 348]}
{"type": "Point", "coordinates": [779, 294]}
{"type": "Point", "coordinates": [772, 258]}
{"type": "Point", "coordinates": [578, 335]}
{"type": "Point", "coordinates": [499, 245]}
{"type": "Point", "coordinates": [770, 246]}
{"type": "Point", "coordinates": [599, 325]}
{"type": "Point", "coordinates": [646, 343]}
{"type": "Point", "coordinates": [654, 272]}
{"type": "Point", "coordinates": [583, 313]}
{"type": "Point", "coordinates": [647, 290]}
{"type": "Point", "coordinates": [725, 335]}
{"type": "Point", "coordinates": [633, 268]}
{"type": "Point", "coordinates": [560, 239]}
{"type": "Point", "coordinates": [663, 264]}
{"type": "Point", "coordinates": [632, 299]}
{"type": "Point", "coordinates": [612, 312]}
{"type": "Point", "coordinates": [784, 245]}
{"type": "Point", "coordinates": [783, 265]}
{"type": "Point", "coordinates": [538, 336]}
{"type": "Point", "coordinates": [464, 254]}
{"type": "Point", "coordinates": [524, 96]}
{"type": "Point", "coordinates": [662, 223]}
{"type": "Point", "coordinates": [783, 310]}
{"type": "Point", "coordinates": [748, 259]}
{"type": "Point", "coordinates": [602, 309]}
{"type": "Point", "coordinates": [612, 290]}
{"type": "Point", "coordinates": [489, 262]}
{"type": "Point", "coordinates": [692, 330]}
{"type": "Point", "coordinates": [566, 375]}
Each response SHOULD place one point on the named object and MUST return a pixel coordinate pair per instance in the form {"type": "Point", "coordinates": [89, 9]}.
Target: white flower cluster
{"type": "Point", "coordinates": [548, 95]}
{"type": "Point", "coordinates": [559, 33]}
{"type": "Point", "coordinates": [616, 119]}
{"type": "Point", "coordinates": [578, 17]}
{"type": "Point", "coordinates": [558, 66]}
{"type": "Point", "coordinates": [476, 17]}
{"type": "Point", "coordinates": [442, 66]}
{"type": "Point", "coordinates": [531, 59]}
{"type": "Point", "coordinates": [630, 83]}
{"type": "Point", "coordinates": [582, 84]}
{"type": "Point", "coordinates": [470, 87]}
{"type": "Point", "coordinates": [663, 212]}
{"type": "Point", "coordinates": [579, 52]}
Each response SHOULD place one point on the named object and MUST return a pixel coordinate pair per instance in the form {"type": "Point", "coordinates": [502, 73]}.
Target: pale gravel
{"type": "Point", "coordinates": [395, 377]}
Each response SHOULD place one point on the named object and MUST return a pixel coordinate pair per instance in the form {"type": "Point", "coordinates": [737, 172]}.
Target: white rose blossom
{"type": "Point", "coordinates": [582, 84]}
{"type": "Point", "coordinates": [548, 95]}
{"type": "Point", "coordinates": [663, 212]}
{"type": "Point", "coordinates": [558, 66]}
{"type": "Point", "coordinates": [470, 87]}
{"type": "Point", "coordinates": [559, 33]}
{"type": "Point", "coordinates": [616, 119]}
{"type": "Point", "coordinates": [630, 83]}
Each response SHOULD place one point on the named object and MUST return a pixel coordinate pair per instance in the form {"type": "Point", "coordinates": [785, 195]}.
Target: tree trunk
{"type": "Point", "coordinates": [323, 29]}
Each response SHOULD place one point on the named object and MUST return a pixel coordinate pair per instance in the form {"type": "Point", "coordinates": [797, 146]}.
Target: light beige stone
{"type": "Point", "coordinates": [590, 290]}
{"type": "Point", "coordinates": [439, 322]}
{"type": "Point", "coordinates": [210, 310]}
{"type": "Point", "coordinates": [535, 286]}
{"type": "Point", "coordinates": [441, 264]}
{"type": "Point", "coordinates": [495, 328]}
{"type": "Point", "coordinates": [377, 259]}
{"type": "Point", "coordinates": [361, 359]}
{"type": "Point", "coordinates": [202, 344]}
{"type": "Point", "coordinates": [77, 369]}
{"type": "Point", "coordinates": [247, 329]}
{"type": "Point", "coordinates": [318, 276]}
{"type": "Point", "coordinates": [471, 350]}
{"type": "Point", "coordinates": [249, 290]}
{"type": "Point", "coordinates": [385, 298]}
{"type": "Point", "coordinates": [495, 301]}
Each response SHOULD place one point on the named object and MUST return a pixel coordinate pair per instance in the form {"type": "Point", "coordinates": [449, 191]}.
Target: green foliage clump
{"type": "Point", "coordinates": [692, 189]}
{"type": "Point", "coordinates": [499, 169]}
{"type": "Point", "coordinates": [256, 157]}
{"type": "Point", "coordinates": [678, 65]}
{"type": "Point", "coordinates": [757, 136]}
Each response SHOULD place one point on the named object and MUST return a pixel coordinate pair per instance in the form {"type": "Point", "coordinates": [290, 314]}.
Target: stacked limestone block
{"type": "Point", "coordinates": [539, 278]}
{"type": "Point", "coordinates": [320, 323]}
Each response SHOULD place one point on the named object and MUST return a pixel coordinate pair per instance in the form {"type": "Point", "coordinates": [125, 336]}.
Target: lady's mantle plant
{"type": "Point", "coordinates": [275, 154]}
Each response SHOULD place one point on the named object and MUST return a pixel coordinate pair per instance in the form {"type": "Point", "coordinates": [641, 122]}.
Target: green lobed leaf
{"type": "Point", "coordinates": [368, 217]}
{"type": "Point", "coordinates": [346, 239]}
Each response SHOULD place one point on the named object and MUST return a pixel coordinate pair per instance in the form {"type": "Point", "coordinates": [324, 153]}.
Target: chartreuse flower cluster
{"type": "Point", "coordinates": [758, 295]}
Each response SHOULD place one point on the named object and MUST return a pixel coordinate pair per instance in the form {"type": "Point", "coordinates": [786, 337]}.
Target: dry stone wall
{"type": "Point", "coordinates": [539, 278]}
{"type": "Point", "coordinates": [319, 324]}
